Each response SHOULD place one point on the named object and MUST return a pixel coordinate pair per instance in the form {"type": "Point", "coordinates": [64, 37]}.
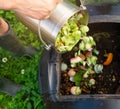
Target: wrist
{"type": "Point", "coordinates": [3, 27]}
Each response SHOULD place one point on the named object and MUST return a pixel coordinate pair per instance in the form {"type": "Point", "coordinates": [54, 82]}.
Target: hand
{"type": "Point", "coordinates": [39, 9]}
{"type": "Point", "coordinates": [3, 27]}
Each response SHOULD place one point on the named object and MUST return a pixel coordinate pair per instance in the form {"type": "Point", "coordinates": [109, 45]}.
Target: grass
{"type": "Point", "coordinates": [29, 97]}
{"type": "Point", "coordinates": [21, 70]}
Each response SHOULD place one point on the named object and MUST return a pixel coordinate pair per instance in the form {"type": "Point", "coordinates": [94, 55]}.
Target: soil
{"type": "Point", "coordinates": [107, 82]}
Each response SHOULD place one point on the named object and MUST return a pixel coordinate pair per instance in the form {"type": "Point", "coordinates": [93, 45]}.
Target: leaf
{"type": "Point", "coordinates": [1, 97]}
{"type": "Point", "coordinates": [29, 106]}
{"type": "Point", "coordinates": [79, 77]}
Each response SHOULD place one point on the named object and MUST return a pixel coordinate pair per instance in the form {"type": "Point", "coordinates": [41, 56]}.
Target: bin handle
{"type": "Point", "coordinates": [82, 5]}
{"type": "Point", "coordinates": [40, 36]}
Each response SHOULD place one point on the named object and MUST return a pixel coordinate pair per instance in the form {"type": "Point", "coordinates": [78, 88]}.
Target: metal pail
{"type": "Point", "coordinates": [50, 28]}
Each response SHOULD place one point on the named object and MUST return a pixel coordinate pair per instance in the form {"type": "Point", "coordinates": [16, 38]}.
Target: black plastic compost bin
{"type": "Point", "coordinates": [103, 17]}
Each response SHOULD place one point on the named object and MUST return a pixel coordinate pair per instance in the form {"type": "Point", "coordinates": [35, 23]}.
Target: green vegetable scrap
{"type": "Point", "coordinates": [87, 43]}
{"type": "Point", "coordinates": [79, 77]}
{"type": "Point", "coordinates": [71, 33]}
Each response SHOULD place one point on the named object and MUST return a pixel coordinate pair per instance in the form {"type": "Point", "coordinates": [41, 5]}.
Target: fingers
{"type": "Point", "coordinates": [39, 10]}
{"type": "Point", "coordinates": [1, 20]}
{"type": "Point", "coordinates": [44, 18]}
{"type": "Point", "coordinates": [60, 1]}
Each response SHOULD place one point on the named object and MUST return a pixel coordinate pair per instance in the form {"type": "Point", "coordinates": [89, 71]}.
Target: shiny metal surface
{"type": "Point", "coordinates": [51, 27]}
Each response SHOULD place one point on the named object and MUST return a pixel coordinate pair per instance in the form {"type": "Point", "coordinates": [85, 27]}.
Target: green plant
{"type": "Point", "coordinates": [20, 69]}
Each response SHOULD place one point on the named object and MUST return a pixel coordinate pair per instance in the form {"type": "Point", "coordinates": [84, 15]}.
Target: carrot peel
{"type": "Point", "coordinates": [109, 59]}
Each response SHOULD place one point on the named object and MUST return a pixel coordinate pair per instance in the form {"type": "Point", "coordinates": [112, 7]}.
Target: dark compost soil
{"type": "Point", "coordinates": [107, 82]}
